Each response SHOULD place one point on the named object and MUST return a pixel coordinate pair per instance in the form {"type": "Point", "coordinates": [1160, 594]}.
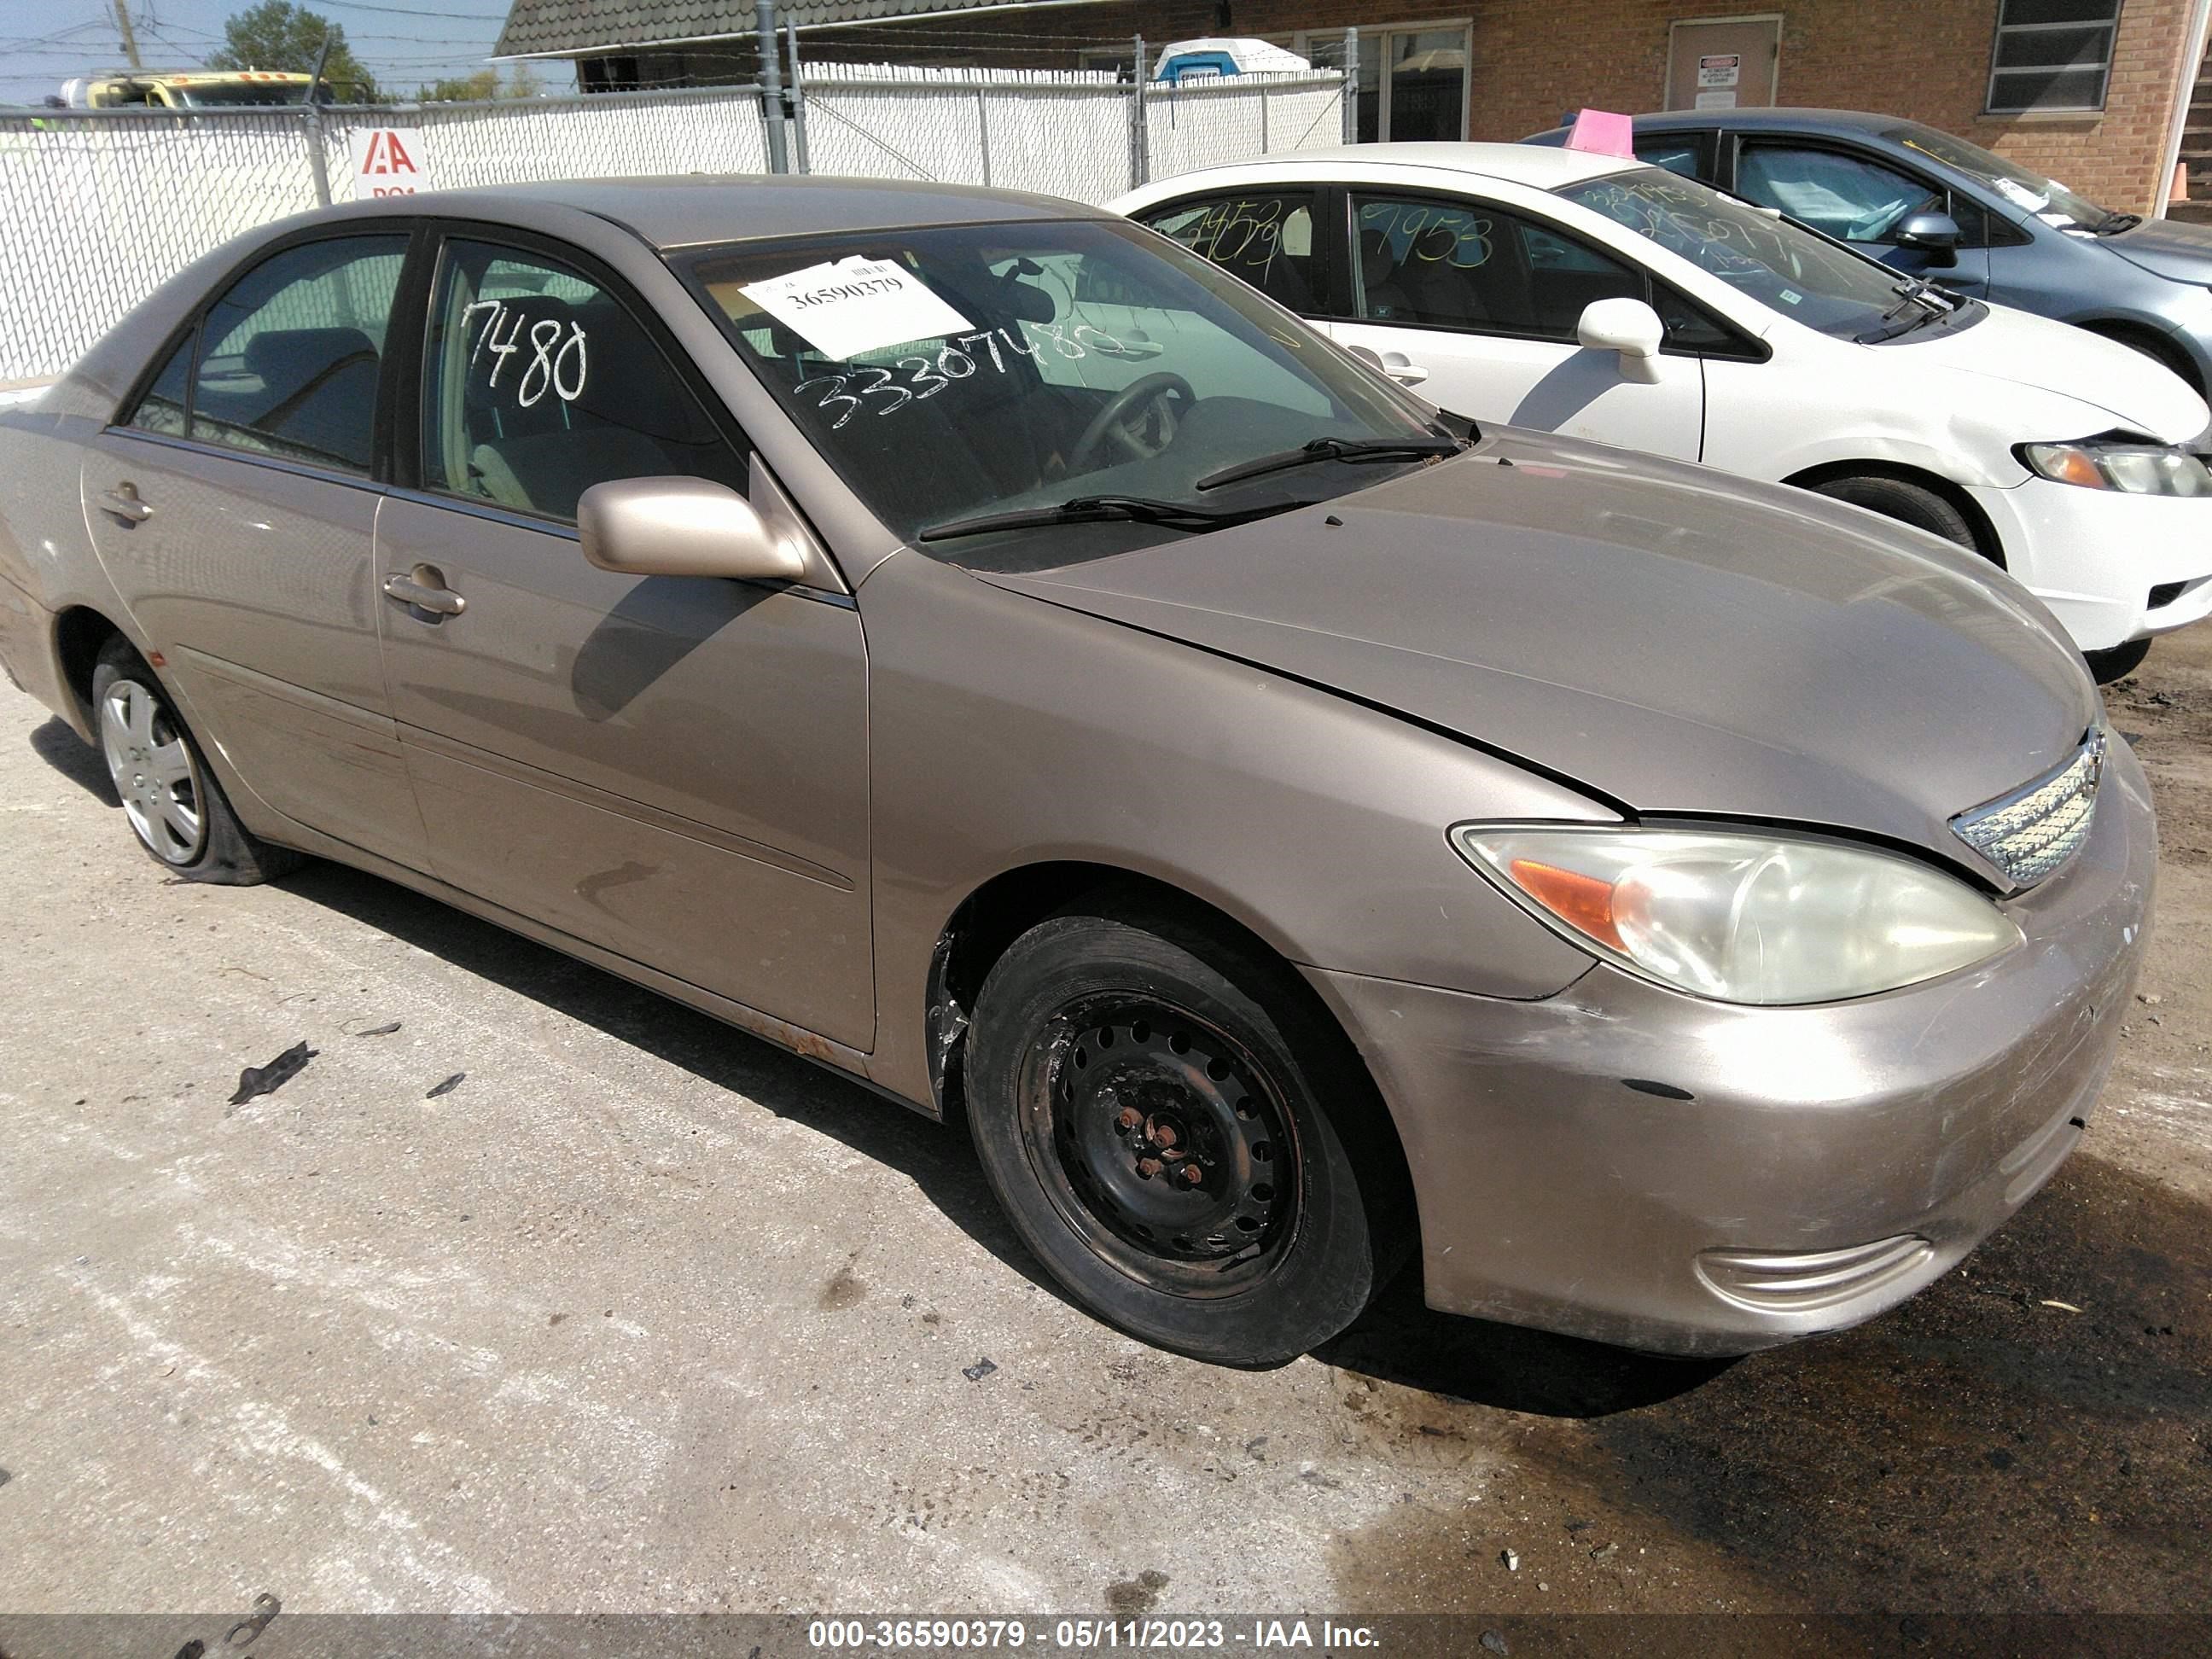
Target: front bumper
{"type": "Point", "coordinates": [2094, 556]}
{"type": "Point", "coordinates": [1624, 1162]}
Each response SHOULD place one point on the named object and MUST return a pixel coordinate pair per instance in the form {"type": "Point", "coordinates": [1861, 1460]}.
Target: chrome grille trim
{"type": "Point", "coordinates": [2030, 832]}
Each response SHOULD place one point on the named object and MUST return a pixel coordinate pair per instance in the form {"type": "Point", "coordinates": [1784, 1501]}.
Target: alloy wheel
{"type": "Point", "coordinates": [153, 770]}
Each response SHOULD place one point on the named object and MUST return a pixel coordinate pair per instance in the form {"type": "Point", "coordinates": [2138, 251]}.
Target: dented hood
{"type": "Point", "coordinates": [2140, 395]}
{"type": "Point", "coordinates": [1674, 639]}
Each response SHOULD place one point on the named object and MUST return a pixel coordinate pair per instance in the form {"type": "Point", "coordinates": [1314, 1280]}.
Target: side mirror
{"type": "Point", "coordinates": [1935, 233]}
{"type": "Point", "coordinates": [1627, 327]}
{"type": "Point", "coordinates": [682, 527]}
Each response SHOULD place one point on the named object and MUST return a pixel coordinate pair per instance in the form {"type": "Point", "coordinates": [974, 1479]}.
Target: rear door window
{"type": "Point", "coordinates": [1262, 237]}
{"type": "Point", "coordinates": [539, 383]}
{"type": "Point", "coordinates": [290, 357]}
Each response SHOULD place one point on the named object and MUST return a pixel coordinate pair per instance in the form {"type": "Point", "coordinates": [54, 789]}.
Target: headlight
{"type": "Point", "coordinates": [2136, 469]}
{"type": "Point", "coordinates": [1741, 918]}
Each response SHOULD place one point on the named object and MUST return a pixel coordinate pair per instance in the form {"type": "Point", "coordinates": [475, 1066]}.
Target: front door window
{"type": "Point", "coordinates": [1850, 197]}
{"type": "Point", "coordinates": [538, 383]}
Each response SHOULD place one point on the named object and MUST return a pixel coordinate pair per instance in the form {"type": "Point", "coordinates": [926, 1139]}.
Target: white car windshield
{"type": "Point", "coordinates": [977, 370]}
{"type": "Point", "coordinates": [1789, 269]}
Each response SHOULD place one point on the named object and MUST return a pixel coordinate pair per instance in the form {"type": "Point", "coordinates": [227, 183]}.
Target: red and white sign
{"type": "Point", "coordinates": [388, 161]}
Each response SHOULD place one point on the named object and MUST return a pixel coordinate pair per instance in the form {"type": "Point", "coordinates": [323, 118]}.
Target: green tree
{"type": "Point", "coordinates": [460, 89]}
{"type": "Point", "coordinates": [276, 35]}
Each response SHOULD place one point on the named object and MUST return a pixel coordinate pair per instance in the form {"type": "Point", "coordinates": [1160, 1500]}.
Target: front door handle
{"type": "Point", "coordinates": [424, 590]}
{"type": "Point", "coordinates": [123, 501]}
{"type": "Point", "coordinates": [1405, 373]}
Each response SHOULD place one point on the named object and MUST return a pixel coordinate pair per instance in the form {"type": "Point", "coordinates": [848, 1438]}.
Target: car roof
{"type": "Point", "coordinates": [1753, 119]}
{"type": "Point", "coordinates": [697, 209]}
{"type": "Point", "coordinates": [1545, 169]}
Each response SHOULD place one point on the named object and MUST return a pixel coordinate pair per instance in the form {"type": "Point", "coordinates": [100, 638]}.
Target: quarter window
{"type": "Point", "coordinates": [1847, 196]}
{"type": "Point", "coordinates": [1266, 238]}
{"type": "Point", "coordinates": [162, 409]}
{"type": "Point", "coordinates": [1471, 265]}
{"type": "Point", "coordinates": [2051, 54]}
{"type": "Point", "coordinates": [291, 355]}
{"type": "Point", "coordinates": [539, 384]}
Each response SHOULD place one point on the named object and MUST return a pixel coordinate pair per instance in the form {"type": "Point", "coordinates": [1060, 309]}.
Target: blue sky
{"type": "Point", "coordinates": [404, 43]}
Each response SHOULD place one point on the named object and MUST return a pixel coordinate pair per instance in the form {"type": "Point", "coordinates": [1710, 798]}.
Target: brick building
{"type": "Point", "coordinates": [2094, 92]}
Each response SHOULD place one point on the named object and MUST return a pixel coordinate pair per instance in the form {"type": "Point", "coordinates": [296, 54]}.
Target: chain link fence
{"type": "Point", "coordinates": [98, 207]}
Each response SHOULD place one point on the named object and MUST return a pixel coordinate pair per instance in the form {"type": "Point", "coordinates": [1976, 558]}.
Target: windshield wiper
{"type": "Point", "coordinates": [1332, 449]}
{"type": "Point", "coordinates": [1095, 510]}
{"type": "Point", "coordinates": [1935, 307]}
{"type": "Point", "coordinates": [1913, 291]}
{"type": "Point", "coordinates": [2113, 223]}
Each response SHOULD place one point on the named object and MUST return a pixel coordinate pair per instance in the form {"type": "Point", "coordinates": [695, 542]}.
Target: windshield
{"type": "Point", "coordinates": [2023, 187]}
{"type": "Point", "coordinates": [219, 94]}
{"type": "Point", "coordinates": [973, 369]}
{"type": "Point", "coordinates": [1806, 278]}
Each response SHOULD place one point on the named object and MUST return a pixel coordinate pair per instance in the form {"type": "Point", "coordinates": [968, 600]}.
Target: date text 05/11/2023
{"type": "Point", "coordinates": [1087, 1634]}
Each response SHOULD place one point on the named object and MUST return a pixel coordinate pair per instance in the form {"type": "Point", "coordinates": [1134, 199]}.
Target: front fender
{"type": "Point", "coordinates": [1007, 732]}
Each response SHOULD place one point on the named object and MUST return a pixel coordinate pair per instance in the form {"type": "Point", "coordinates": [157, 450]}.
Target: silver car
{"type": "Point", "coordinates": [971, 642]}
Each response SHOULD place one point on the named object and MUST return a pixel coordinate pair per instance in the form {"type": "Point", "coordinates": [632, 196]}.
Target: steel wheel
{"type": "Point", "coordinates": [1162, 1142]}
{"type": "Point", "coordinates": [154, 771]}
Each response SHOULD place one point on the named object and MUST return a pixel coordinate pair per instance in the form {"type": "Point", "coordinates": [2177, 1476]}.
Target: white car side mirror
{"type": "Point", "coordinates": [1627, 327]}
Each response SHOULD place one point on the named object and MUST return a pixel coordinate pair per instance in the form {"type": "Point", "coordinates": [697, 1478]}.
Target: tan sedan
{"type": "Point", "coordinates": [970, 641]}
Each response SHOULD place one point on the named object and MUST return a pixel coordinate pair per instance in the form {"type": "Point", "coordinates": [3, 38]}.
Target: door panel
{"type": "Point", "coordinates": [234, 511]}
{"type": "Point", "coordinates": [255, 584]}
{"type": "Point", "coordinates": [1729, 64]}
{"type": "Point", "coordinates": [1477, 308]}
{"type": "Point", "coordinates": [674, 768]}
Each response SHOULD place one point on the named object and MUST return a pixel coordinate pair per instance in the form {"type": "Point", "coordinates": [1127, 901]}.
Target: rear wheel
{"type": "Point", "coordinates": [173, 803]}
{"type": "Point", "coordinates": [1154, 1112]}
{"type": "Point", "coordinates": [2118, 662]}
{"type": "Point", "coordinates": [1908, 503]}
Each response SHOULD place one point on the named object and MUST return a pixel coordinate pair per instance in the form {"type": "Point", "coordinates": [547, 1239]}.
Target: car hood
{"type": "Point", "coordinates": [2021, 348]}
{"type": "Point", "coordinates": [1670, 638]}
{"type": "Point", "coordinates": [2167, 248]}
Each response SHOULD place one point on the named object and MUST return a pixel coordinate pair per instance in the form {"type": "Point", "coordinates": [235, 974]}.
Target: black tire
{"type": "Point", "coordinates": [1908, 503]}
{"type": "Point", "coordinates": [174, 806]}
{"type": "Point", "coordinates": [1285, 1234]}
{"type": "Point", "coordinates": [2116, 662]}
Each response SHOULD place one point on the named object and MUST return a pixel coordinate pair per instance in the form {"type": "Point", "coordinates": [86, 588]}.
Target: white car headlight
{"type": "Point", "coordinates": [2134, 469]}
{"type": "Point", "coordinates": [1738, 917]}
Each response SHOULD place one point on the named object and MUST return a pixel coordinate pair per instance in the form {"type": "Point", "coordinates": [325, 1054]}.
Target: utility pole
{"type": "Point", "coordinates": [130, 38]}
{"type": "Point", "coordinates": [771, 82]}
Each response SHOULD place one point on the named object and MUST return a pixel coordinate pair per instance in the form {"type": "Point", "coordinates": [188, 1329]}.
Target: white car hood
{"type": "Point", "coordinates": [2024, 349]}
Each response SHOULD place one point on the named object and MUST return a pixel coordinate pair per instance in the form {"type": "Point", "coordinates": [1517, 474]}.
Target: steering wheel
{"type": "Point", "coordinates": [1117, 422]}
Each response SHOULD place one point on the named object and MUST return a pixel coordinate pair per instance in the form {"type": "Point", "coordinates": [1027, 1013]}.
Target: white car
{"type": "Point", "coordinates": [1603, 298]}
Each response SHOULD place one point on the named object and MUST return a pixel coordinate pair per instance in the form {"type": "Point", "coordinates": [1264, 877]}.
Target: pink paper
{"type": "Point", "coordinates": [1603, 133]}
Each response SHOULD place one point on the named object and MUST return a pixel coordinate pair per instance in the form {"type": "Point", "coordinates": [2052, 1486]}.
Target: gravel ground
{"type": "Point", "coordinates": [643, 1315]}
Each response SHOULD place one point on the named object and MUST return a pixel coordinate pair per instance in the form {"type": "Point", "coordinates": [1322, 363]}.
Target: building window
{"type": "Point", "coordinates": [2051, 55]}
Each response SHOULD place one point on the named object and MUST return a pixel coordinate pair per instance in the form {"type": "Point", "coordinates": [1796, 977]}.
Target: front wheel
{"type": "Point", "coordinates": [1166, 1131]}
{"type": "Point", "coordinates": [1908, 503]}
{"type": "Point", "coordinates": [175, 806]}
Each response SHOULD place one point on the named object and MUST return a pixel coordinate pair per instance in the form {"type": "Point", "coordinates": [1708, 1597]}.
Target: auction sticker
{"type": "Point", "coordinates": [855, 306]}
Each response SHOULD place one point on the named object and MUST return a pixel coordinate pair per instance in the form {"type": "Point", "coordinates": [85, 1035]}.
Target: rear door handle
{"type": "Point", "coordinates": [430, 594]}
{"type": "Point", "coordinates": [123, 501]}
{"type": "Point", "coordinates": [1405, 373]}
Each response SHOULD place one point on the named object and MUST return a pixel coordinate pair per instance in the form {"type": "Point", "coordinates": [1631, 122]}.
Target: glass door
{"type": "Point", "coordinates": [1411, 81]}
